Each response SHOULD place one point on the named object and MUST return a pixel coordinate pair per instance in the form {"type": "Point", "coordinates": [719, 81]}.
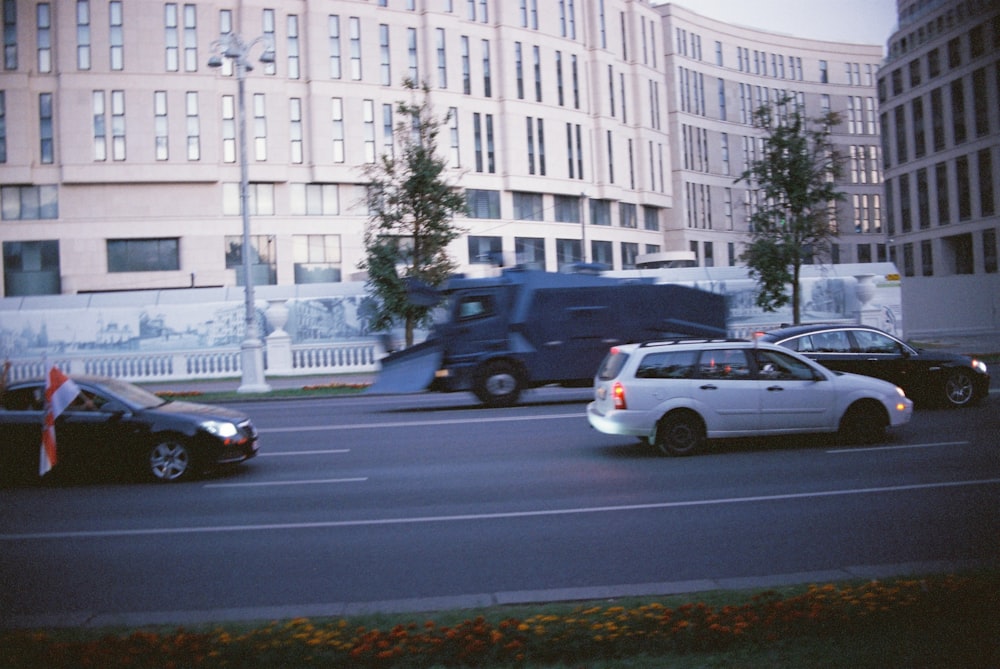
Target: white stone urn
{"type": "Point", "coordinates": [865, 290]}
{"type": "Point", "coordinates": [277, 316]}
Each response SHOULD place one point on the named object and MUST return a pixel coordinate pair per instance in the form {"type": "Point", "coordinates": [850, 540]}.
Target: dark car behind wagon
{"type": "Point", "coordinates": [930, 378]}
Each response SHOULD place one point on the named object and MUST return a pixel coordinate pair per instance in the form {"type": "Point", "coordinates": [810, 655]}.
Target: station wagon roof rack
{"type": "Point", "coordinates": [692, 340]}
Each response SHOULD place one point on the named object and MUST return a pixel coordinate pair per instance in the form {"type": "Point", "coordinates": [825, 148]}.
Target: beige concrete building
{"type": "Point", "coordinates": [718, 75]}
{"type": "Point", "coordinates": [581, 130]}
{"type": "Point", "coordinates": [940, 117]}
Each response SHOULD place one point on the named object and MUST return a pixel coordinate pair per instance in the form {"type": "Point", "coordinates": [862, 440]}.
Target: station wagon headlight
{"type": "Point", "coordinates": [219, 428]}
{"type": "Point", "coordinates": [900, 392]}
{"type": "Point", "coordinates": [979, 366]}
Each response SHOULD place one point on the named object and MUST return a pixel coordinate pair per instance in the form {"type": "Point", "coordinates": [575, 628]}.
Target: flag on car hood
{"type": "Point", "coordinates": [59, 392]}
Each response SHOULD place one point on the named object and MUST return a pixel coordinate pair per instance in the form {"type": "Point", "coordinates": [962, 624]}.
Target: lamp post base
{"type": "Point", "coordinates": [252, 358]}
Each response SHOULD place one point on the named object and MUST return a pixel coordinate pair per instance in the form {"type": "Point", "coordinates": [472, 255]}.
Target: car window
{"type": "Point", "coordinates": [24, 399]}
{"type": "Point", "coordinates": [723, 363]}
{"type": "Point", "coordinates": [875, 342]}
{"type": "Point", "coordinates": [85, 400]}
{"type": "Point", "coordinates": [475, 306]}
{"type": "Point", "coordinates": [777, 366]}
{"type": "Point", "coordinates": [667, 365]}
{"type": "Point", "coordinates": [612, 365]}
{"type": "Point", "coordinates": [835, 341]}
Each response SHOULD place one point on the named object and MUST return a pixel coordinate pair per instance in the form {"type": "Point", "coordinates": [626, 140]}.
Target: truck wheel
{"type": "Point", "coordinates": [498, 384]}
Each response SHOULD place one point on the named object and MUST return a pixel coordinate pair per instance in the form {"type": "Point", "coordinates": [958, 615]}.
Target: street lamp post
{"type": "Point", "coordinates": [231, 46]}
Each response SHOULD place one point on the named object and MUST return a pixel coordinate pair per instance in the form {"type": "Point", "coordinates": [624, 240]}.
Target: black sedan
{"type": "Point", "coordinates": [927, 377]}
{"type": "Point", "coordinates": [115, 428]}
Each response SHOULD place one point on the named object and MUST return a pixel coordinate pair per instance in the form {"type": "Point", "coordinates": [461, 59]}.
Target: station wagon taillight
{"type": "Point", "coordinates": [618, 395]}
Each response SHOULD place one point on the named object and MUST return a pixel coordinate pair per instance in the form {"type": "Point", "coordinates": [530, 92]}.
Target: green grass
{"type": "Point", "coordinates": [935, 621]}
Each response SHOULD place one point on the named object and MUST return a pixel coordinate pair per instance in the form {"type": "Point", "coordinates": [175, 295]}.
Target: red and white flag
{"type": "Point", "coordinates": [59, 392]}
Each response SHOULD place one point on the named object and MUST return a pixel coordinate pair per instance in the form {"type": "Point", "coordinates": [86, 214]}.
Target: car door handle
{"type": "Point", "coordinates": [709, 386]}
{"type": "Point", "coordinates": [774, 388]}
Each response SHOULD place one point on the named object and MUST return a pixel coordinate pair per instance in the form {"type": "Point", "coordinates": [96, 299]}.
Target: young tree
{"type": "Point", "coordinates": [411, 208]}
{"type": "Point", "coordinates": [795, 180]}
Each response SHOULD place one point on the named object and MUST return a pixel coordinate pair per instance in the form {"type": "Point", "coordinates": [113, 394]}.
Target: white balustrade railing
{"type": "Point", "coordinates": [342, 357]}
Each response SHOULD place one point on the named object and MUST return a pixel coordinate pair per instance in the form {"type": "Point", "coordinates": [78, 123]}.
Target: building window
{"type": "Point", "coordinates": [824, 75]}
{"type": "Point", "coordinates": [483, 203]}
{"type": "Point", "coordinates": [388, 138]}
{"type": "Point", "coordinates": [269, 33]}
{"type": "Point", "coordinates": [333, 28]}
{"type": "Point", "coordinates": [519, 69]}
{"type": "Point", "coordinates": [260, 196]}
{"type": "Point", "coordinates": [650, 218]}
{"type": "Point", "coordinates": [559, 79]}
{"type": "Point", "coordinates": [602, 253]}
{"type": "Point", "coordinates": [453, 151]}
{"type": "Point", "coordinates": [442, 58]}
{"type": "Point", "coordinates": [986, 184]}
{"type": "Point", "coordinates": [611, 157]}
{"type": "Point", "coordinates": [466, 66]}
{"type": "Point", "coordinates": [295, 131]}
{"type": "Point", "coordinates": [337, 121]}
{"type": "Point", "coordinates": [575, 74]}
{"type": "Point", "coordinates": [990, 251]}
{"type": "Point", "coordinates": [3, 126]}
{"type": "Point", "coordinates": [44, 37]}
{"type": "Point", "coordinates": [600, 212]}
{"type": "Point", "coordinates": [384, 54]}
{"type": "Point", "coordinates": [29, 203]}
{"type": "Point", "coordinates": [116, 37]}
{"type": "Point", "coordinates": [627, 215]}
{"type": "Point", "coordinates": [10, 34]}
{"type": "Point", "coordinates": [293, 46]}
{"type": "Point", "coordinates": [83, 34]}
{"type": "Point", "coordinates": [161, 147]}
{"type": "Point", "coordinates": [228, 129]}
{"type": "Point", "coordinates": [31, 268]}
{"type": "Point", "coordinates": [190, 38]}
{"type": "Point", "coordinates": [259, 127]}
{"type": "Point", "coordinates": [528, 206]}
{"type": "Point", "coordinates": [46, 132]}
{"type": "Point", "coordinates": [630, 250]}
{"type": "Point", "coordinates": [487, 76]}
{"type": "Point", "coordinates": [958, 111]}
{"type": "Point", "coordinates": [193, 126]}
{"type": "Point", "coordinates": [964, 194]}
{"type": "Point", "coordinates": [354, 28]}
{"type": "Point", "coordinates": [980, 102]}
{"type": "Point", "coordinates": [954, 53]}
{"type": "Point", "coordinates": [144, 255]}
{"type": "Point", "coordinates": [566, 208]}
{"type": "Point", "coordinates": [568, 252]}
{"type": "Point", "coordinates": [100, 125]}
{"type": "Point", "coordinates": [485, 250]}
{"type": "Point", "coordinates": [368, 131]}
{"type": "Point", "coordinates": [537, 65]}
{"type": "Point", "coordinates": [314, 199]}
{"type": "Point", "coordinates": [263, 264]}
{"type": "Point", "coordinates": [317, 258]}
{"type": "Point", "coordinates": [172, 39]}
{"type": "Point", "coordinates": [958, 250]}
{"type": "Point", "coordinates": [529, 252]}
{"type": "Point", "coordinates": [118, 125]}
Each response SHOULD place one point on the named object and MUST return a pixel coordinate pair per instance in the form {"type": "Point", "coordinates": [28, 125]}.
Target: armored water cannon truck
{"type": "Point", "coordinates": [526, 328]}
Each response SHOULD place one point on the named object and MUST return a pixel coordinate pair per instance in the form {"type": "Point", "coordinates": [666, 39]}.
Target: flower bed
{"type": "Point", "coordinates": [582, 634]}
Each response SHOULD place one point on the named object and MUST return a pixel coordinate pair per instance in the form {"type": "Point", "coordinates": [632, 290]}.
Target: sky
{"type": "Point", "coordinates": [856, 21]}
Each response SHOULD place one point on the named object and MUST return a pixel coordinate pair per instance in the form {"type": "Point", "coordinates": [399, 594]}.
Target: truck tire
{"type": "Point", "coordinates": [498, 384]}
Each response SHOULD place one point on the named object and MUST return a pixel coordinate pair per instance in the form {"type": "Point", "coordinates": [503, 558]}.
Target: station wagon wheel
{"type": "Point", "coordinates": [498, 384]}
{"type": "Point", "coordinates": [680, 433]}
{"type": "Point", "coordinates": [958, 388]}
{"type": "Point", "coordinates": [169, 460]}
{"type": "Point", "coordinates": [863, 423]}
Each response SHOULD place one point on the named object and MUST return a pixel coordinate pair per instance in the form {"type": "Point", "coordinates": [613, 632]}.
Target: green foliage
{"type": "Point", "coordinates": [796, 194]}
{"type": "Point", "coordinates": [411, 208]}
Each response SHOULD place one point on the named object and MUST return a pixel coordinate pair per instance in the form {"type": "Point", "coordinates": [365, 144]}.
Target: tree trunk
{"type": "Point", "coordinates": [409, 331]}
{"type": "Point", "coordinates": [796, 288]}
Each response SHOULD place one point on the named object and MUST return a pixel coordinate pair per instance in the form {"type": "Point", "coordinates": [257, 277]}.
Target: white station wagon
{"type": "Point", "coordinates": [678, 394]}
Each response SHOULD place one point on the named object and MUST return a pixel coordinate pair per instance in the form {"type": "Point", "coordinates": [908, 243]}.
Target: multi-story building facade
{"type": "Point", "coordinates": [580, 130]}
{"type": "Point", "coordinates": [120, 162]}
{"type": "Point", "coordinates": [718, 75]}
{"type": "Point", "coordinates": [940, 117]}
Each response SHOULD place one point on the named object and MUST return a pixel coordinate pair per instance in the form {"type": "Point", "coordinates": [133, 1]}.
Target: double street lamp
{"type": "Point", "coordinates": [232, 47]}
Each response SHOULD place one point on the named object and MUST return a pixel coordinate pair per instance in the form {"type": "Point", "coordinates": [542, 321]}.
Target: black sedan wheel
{"type": "Point", "coordinates": [958, 388]}
{"type": "Point", "coordinates": [170, 460]}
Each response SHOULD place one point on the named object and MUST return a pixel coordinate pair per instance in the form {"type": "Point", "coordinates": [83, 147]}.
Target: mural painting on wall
{"type": "Point", "coordinates": [170, 327]}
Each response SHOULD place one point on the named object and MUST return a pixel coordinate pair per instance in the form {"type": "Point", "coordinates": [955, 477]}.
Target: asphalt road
{"type": "Point", "coordinates": [425, 502]}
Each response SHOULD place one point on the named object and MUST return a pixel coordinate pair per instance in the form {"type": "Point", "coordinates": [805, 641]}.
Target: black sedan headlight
{"type": "Point", "coordinates": [979, 366]}
{"type": "Point", "coordinates": [222, 429]}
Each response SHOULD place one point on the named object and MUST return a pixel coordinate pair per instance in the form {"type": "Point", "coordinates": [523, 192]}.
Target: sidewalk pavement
{"type": "Point", "coordinates": [971, 345]}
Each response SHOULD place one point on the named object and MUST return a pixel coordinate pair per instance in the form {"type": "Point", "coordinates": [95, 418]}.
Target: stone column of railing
{"type": "Point", "coordinates": [279, 342]}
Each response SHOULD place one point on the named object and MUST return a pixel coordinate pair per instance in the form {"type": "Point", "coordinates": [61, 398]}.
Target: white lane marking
{"type": "Point", "coordinates": [898, 448]}
{"type": "Point", "coordinates": [88, 534]}
{"type": "Point", "coordinates": [416, 423]}
{"type": "Point", "coordinates": [332, 451]}
{"type": "Point", "coordinates": [254, 484]}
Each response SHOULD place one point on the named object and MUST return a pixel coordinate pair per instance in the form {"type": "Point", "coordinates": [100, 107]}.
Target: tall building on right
{"type": "Point", "coordinates": [939, 102]}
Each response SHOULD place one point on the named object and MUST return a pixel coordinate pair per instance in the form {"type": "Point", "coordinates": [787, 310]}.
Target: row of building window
{"type": "Point", "coordinates": [957, 254]}
{"type": "Point", "coordinates": [935, 190]}
{"type": "Point", "coordinates": [953, 101]}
